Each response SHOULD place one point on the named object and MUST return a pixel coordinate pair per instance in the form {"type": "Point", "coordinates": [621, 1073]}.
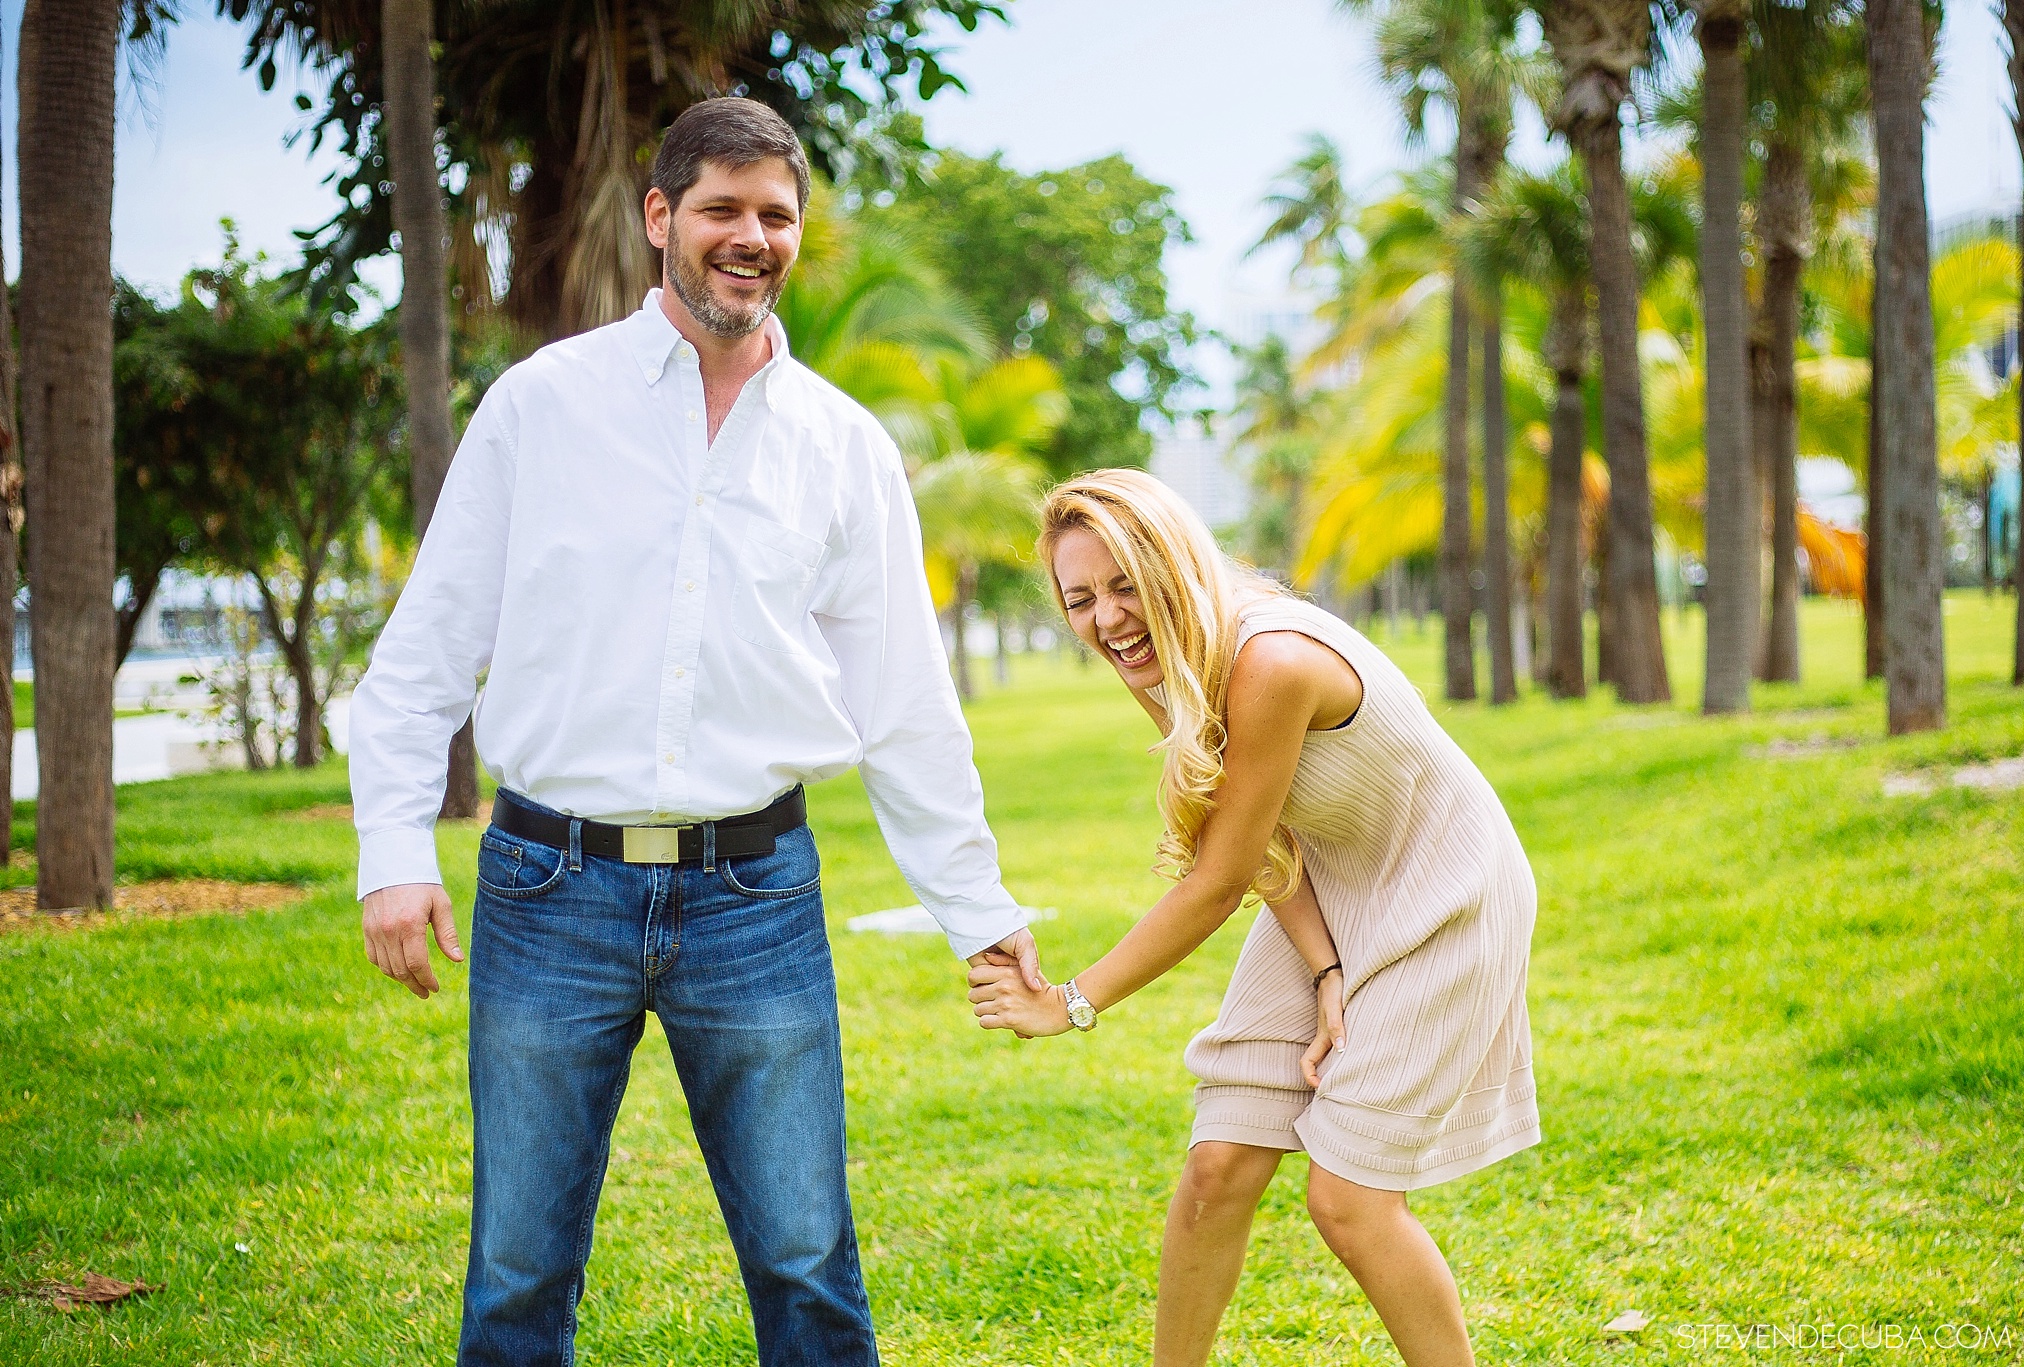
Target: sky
{"type": "Point", "coordinates": [1210, 97]}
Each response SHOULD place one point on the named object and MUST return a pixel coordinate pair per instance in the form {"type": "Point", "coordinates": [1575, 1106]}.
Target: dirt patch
{"type": "Point", "coordinates": [1799, 747]}
{"type": "Point", "coordinates": [167, 899]}
{"type": "Point", "coordinates": [322, 811]}
{"type": "Point", "coordinates": [1997, 776]}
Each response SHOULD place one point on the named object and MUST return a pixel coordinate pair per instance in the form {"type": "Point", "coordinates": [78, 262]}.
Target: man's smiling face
{"type": "Point", "coordinates": [728, 246]}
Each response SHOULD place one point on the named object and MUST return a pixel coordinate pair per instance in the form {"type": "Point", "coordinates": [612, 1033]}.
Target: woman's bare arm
{"type": "Point", "coordinates": [1300, 917]}
{"type": "Point", "coordinates": [1275, 688]}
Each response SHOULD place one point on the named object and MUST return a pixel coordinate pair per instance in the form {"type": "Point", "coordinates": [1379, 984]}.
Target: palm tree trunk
{"type": "Point", "coordinates": [1636, 650]}
{"type": "Point", "coordinates": [1734, 502]}
{"type": "Point", "coordinates": [69, 53]}
{"type": "Point", "coordinates": [1566, 673]}
{"type": "Point", "coordinates": [407, 31]}
{"type": "Point", "coordinates": [1456, 612]}
{"type": "Point", "coordinates": [966, 590]}
{"type": "Point", "coordinates": [1496, 505]}
{"type": "Point", "coordinates": [1783, 211]}
{"type": "Point", "coordinates": [2013, 24]}
{"type": "Point", "coordinates": [10, 549]}
{"type": "Point", "coordinates": [1915, 680]}
{"type": "Point", "coordinates": [1874, 533]}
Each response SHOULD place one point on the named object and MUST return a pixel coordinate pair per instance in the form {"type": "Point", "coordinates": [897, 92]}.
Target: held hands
{"type": "Point", "coordinates": [1016, 959]}
{"type": "Point", "coordinates": [1007, 1000]}
{"type": "Point", "coordinates": [396, 920]}
{"type": "Point", "coordinates": [1328, 1029]}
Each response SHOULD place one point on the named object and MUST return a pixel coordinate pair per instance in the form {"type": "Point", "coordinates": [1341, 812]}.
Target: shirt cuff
{"type": "Point", "coordinates": [975, 927]}
{"type": "Point", "coordinates": [405, 854]}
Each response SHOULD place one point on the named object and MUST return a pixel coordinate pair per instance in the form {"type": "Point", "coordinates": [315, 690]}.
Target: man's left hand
{"type": "Point", "coordinates": [1018, 949]}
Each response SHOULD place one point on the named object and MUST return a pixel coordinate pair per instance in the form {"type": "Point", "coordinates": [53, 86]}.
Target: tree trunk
{"type": "Point", "coordinates": [141, 588]}
{"type": "Point", "coordinates": [407, 31]}
{"type": "Point", "coordinates": [1567, 670]}
{"type": "Point", "coordinates": [69, 53]}
{"type": "Point", "coordinates": [1734, 502]}
{"type": "Point", "coordinates": [1784, 212]}
{"type": "Point", "coordinates": [1496, 504]}
{"type": "Point", "coordinates": [966, 590]}
{"type": "Point", "coordinates": [1915, 680]}
{"type": "Point", "coordinates": [1637, 651]}
{"type": "Point", "coordinates": [10, 547]}
{"type": "Point", "coordinates": [1875, 533]}
{"type": "Point", "coordinates": [1455, 590]}
{"type": "Point", "coordinates": [2013, 24]}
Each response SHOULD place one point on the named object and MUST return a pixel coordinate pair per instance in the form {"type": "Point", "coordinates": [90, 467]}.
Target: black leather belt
{"type": "Point", "coordinates": [741, 837]}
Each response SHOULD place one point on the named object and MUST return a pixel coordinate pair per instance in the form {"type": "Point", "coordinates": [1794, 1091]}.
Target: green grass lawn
{"type": "Point", "coordinates": [1778, 1017]}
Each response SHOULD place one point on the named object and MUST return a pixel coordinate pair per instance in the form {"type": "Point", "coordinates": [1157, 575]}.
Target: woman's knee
{"type": "Point", "coordinates": [1352, 1217]}
{"type": "Point", "coordinates": [1218, 1174]}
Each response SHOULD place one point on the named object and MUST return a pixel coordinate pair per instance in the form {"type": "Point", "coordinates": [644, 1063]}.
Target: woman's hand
{"type": "Point", "coordinates": [1004, 1001]}
{"type": "Point", "coordinates": [1328, 1030]}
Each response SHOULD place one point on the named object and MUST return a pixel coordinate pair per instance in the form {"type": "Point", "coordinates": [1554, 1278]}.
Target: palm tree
{"type": "Point", "coordinates": [1734, 508]}
{"type": "Point", "coordinates": [1311, 206]}
{"type": "Point", "coordinates": [408, 73]}
{"type": "Point", "coordinates": [1900, 63]}
{"type": "Point", "coordinates": [977, 484]}
{"type": "Point", "coordinates": [69, 55]}
{"type": "Point", "coordinates": [2013, 26]}
{"type": "Point", "coordinates": [1462, 55]}
{"type": "Point", "coordinates": [1598, 44]}
{"type": "Point", "coordinates": [1809, 80]}
{"type": "Point", "coordinates": [1536, 228]}
{"type": "Point", "coordinates": [10, 547]}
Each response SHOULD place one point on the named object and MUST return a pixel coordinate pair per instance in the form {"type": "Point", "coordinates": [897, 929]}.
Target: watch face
{"type": "Point", "coordinates": [1082, 1015]}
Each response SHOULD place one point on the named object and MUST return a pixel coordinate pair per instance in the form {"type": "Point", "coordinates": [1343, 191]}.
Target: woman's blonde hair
{"type": "Point", "coordinates": [1191, 594]}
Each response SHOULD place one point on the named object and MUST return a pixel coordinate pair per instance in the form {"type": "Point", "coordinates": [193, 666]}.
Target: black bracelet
{"type": "Point", "coordinates": [1335, 967]}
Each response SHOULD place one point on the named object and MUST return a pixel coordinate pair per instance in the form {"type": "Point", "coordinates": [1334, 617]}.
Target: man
{"type": "Point", "coordinates": [694, 573]}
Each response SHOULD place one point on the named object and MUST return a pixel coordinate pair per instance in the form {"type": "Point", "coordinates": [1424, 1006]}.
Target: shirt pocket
{"type": "Point", "coordinates": [776, 567]}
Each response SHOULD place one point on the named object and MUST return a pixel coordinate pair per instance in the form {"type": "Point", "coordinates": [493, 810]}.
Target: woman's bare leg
{"type": "Point", "coordinates": [1208, 1226]}
{"type": "Point", "coordinates": [1397, 1264]}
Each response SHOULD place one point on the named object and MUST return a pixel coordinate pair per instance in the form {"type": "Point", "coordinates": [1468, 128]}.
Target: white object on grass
{"type": "Point", "coordinates": [918, 920]}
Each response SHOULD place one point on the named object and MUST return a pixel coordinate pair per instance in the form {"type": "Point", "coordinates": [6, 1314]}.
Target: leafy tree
{"type": "Point", "coordinates": [548, 110]}
{"type": "Point", "coordinates": [1067, 266]}
{"type": "Point", "coordinates": [255, 424]}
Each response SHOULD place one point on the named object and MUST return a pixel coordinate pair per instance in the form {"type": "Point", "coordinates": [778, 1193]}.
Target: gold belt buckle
{"type": "Point", "coordinates": [653, 844]}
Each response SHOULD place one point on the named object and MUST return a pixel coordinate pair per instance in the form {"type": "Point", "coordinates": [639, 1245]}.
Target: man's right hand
{"type": "Point", "coordinates": [396, 923]}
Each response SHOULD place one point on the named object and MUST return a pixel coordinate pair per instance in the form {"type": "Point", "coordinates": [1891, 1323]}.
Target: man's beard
{"type": "Point", "coordinates": [691, 283]}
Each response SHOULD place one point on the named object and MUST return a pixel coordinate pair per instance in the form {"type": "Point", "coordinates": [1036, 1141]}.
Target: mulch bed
{"type": "Point", "coordinates": [164, 899]}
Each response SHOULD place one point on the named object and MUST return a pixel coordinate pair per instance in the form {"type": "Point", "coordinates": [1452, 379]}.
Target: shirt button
{"type": "Point", "coordinates": [699, 500]}
{"type": "Point", "coordinates": [692, 415]}
{"type": "Point", "coordinates": [681, 673]}
{"type": "Point", "coordinates": [690, 586]}
{"type": "Point", "coordinates": [669, 757]}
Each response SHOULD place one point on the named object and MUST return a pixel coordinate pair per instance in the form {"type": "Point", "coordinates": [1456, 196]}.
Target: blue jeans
{"type": "Point", "coordinates": [568, 953]}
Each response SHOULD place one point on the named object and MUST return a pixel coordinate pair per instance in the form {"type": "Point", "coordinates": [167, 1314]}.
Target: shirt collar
{"type": "Point", "coordinates": [654, 339]}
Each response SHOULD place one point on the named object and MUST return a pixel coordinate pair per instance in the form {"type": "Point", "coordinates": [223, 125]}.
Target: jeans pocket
{"type": "Point", "coordinates": [514, 867]}
{"type": "Point", "coordinates": [792, 870]}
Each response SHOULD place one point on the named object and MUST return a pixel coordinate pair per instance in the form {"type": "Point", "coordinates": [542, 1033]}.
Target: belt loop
{"type": "Point", "coordinates": [575, 845]}
{"type": "Point", "coordinates": [709, 847]}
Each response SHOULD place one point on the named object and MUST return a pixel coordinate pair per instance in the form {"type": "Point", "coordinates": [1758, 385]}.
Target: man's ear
{"type": "Point", "coordinates": [660, 216]}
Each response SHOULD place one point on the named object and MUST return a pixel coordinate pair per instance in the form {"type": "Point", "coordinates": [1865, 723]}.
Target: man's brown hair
{"type": "Point", "coordinates": [729, 131]}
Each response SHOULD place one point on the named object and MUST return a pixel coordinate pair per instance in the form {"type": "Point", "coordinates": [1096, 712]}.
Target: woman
{"type": "Point", "coordinates": [1377, 1018]}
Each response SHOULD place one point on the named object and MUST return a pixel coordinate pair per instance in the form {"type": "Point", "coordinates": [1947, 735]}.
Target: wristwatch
{"type": "Point", "coordinates": [1081, 1014]}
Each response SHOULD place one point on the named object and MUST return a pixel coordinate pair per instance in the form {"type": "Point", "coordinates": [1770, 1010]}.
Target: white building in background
{"type": "Point", "coordinates": [1196, 463]}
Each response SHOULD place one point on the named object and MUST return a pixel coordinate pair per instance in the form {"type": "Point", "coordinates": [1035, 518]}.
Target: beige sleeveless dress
{"type": "Point", "coordinates": [1430, 900]}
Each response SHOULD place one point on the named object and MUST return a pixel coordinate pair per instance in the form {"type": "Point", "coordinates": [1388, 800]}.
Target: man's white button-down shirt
{"type": "Point", "coordinates": [675, 629]}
